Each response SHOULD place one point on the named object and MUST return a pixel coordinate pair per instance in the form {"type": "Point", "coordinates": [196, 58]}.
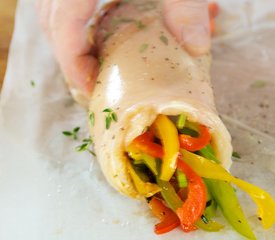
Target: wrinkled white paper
{"type": "Point", "coordinates": [49, 191]}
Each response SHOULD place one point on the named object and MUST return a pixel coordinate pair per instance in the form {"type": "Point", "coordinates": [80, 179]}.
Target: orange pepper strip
{"type": "Point", "coordinates": [145, 144]}
{"type": "Point", "coordinates": [194, 205]}
{"type": "Point", "coordinates": [193, 144]}
{"type": "Point", "coordinates": [213, 9]}
{"type": "Point", "coordinates": [169, 220]}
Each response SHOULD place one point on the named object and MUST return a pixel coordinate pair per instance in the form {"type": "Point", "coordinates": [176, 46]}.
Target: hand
{"type": "Point", "coordinates": [65, 22]}
{"type": "Point", "coordinates": [188, 21]}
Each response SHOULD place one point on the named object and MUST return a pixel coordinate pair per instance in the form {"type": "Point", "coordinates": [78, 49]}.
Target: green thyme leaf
{"type": "Point", "coordinates": [82, 147]}
{"type": "Point", "coordinates": [73, 133]}
{"type": "Point", "coordinates": [85, 146]}
{"type": "Point", "coordinates": [110, 116]}
{"type": "Point", "coordinates": [92, 118]}
{"type": "Point", "coordinates": [140, 25]}
{"type": "Point", "coordinates": [66, 133]}
{"type": "Point", "coordinates": [76, 129]}
{"type": "Point", "coordinates": [32, 83]}
{"type": "Point", "coordinates": [107, 110]}
{"type": "Point", "coordinates": [88, 140]}
{"type": "Point", "coordinates": [114, 116]}
{"type": "Point", "coordinates": [92, 152]}
{"type": "Point", "coordinates": [117, 21]}
{"type": "Point", "coordinates": [108, 121]}
{"type": "Point", "coordinates": [236, 155]}
{"type": "Point", "coordinates": [258, 84]}
{"type": "Point", "coordinates": [143, 47]}
{"type": "Point", "coordinates": [164, 39]}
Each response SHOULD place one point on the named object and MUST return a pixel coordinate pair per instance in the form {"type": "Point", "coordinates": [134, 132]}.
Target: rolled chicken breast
{"type": "Point", "coordinates": [144, 73]}
{"type": "Point", "coordinates": [157, 134]}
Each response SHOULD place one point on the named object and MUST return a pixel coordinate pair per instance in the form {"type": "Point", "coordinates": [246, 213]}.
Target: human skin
{"type": "Point", "coordinates": [65, 23]}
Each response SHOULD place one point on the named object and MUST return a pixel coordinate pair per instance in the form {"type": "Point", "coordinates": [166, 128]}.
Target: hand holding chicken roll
{"type": "Point", "coordinates": [156, 131]}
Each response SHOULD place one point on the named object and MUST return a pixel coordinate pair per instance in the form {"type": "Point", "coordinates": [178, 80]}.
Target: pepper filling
{"type": "Point", "coordinates": [174, 166]}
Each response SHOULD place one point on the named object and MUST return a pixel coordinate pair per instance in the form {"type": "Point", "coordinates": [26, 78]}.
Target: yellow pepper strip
{"type": "Point", "coordinates": [146, 189]}
{"type": "Point", "coordinates": [149, 161]}
{"type": "Point", "coordinates": [167, 132]}
{"type": "Point", "coordinates": [209, 169]}
{"type": "Point", "coordinates": [134, 152]}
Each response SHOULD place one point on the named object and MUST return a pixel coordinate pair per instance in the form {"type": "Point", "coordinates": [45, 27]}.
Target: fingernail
{"type": "Point", "coordinates": [196, 38]}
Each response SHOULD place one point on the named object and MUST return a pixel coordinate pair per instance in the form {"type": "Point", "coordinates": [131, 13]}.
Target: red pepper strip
{"type": "Point", "coordinates": [145, 144]}
{"type": "Point", "coordinates": [193, 144]}
{"type": "Point", "coordinates": [194, 205]}
{"type": "Point", "coordinates": [169, 220]}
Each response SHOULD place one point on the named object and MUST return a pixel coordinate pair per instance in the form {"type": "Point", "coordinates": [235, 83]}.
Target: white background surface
{"type": "Point", "coordinates": [48, 191]}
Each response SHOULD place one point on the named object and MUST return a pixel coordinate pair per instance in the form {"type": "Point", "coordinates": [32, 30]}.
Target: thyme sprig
{"type": "Point", "coordinates": [110, 117]}
{"type": "Point", "coordinates": [73, 133]}
{"type": "Point", "coordinates": [164, 39]}
{"type": "Point", "coordinates": [85, 146]}
{"type": "Point", "coordinates": [92, 118]}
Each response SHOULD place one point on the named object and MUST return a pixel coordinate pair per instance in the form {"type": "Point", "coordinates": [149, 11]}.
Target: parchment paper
{"type": "Point", "coordinates": [49, 191]}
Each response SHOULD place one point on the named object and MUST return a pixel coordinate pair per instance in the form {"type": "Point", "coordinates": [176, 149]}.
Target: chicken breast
{"type": "Point", "coordinates": [145, 72]}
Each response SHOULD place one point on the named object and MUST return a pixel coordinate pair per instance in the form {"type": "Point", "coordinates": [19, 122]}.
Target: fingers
{"type": "Point", "coordinates": [188, 21]}
{"type": "Point", "coordinates": [65, 22]}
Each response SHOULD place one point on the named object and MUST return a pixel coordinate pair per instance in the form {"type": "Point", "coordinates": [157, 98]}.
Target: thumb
{"type": "Point", "coordinates": [188, 21]}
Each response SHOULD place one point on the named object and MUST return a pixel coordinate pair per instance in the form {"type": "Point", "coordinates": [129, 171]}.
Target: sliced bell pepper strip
{"type": "Point", "coordinates": [195, 143]}
{"type": "Point", "coordinates": [167, 132]}
{"type": "Point", "coordinates": [210, 226]}
{"type": "Point", "coordinates": [182, 180]}
{"type": "Point", "coordinates": [146, 189]}
{"type": "Point", "coordinates": [213, 9]}
{"type": "Point", "coordinates": [228, 202]}
{"type": "Point", "coordinates": [210, 210]}
{"type": "Point", "coordinates": [140, 158]}
{"type": "Point", "coordinates": [194, 205]}
{"type": "Point", "coordinates": [169, 195]}
{"type": "Point", "coordinates": [208, 152]}
{"type": "Point", "coordinates": [181, 121]}
{"type": "Point", "coordinates": [144, 143]}
{"type": "Point", "coordinates": [151, 163]}
{"type": "Point", "coordinates": [208, 169]}
{"type": "Point", "coordinates": [168, 219]}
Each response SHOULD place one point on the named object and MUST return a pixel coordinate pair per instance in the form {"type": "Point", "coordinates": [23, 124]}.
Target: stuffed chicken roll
{"type": "Point", "coordinates": [145, 72]}
{"type": "Point", "coordinates": [153, 117]}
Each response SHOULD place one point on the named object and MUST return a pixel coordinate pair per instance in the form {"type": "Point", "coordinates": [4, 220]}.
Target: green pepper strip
{"type": "Point", "coordinates": [151, 163]}
{"type": "Point", "coordinates": [182, 180]}
{"type": "Point", "coordinates": [209, 169]}
{"type": "Point", "coordinates": [209, 212]}
{"type": "Point", "coordinates": [228, 202]}
{"type": "Point", "coordinates": [208, 152]}
{"type": "Point", "coordinates": [210, 226]}
{"type": "Point", "coordinates": [169, 194]}
{"type": "Point", "coordinates": [181, 121]}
